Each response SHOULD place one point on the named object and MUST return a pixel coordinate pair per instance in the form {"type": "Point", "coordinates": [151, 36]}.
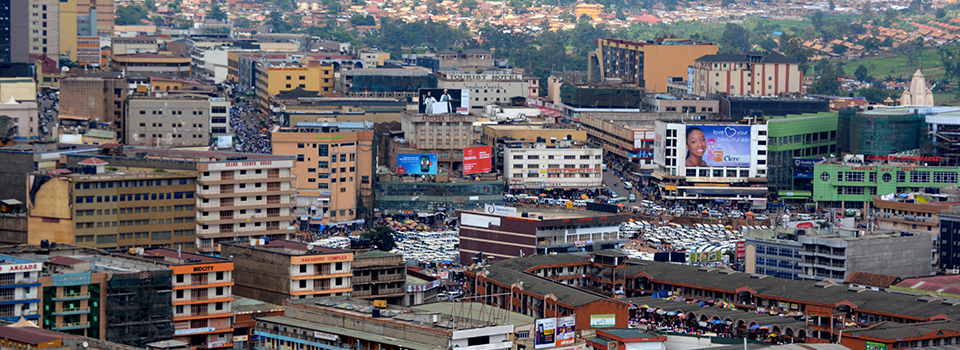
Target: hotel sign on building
{"type": "Point", "coordinates": [498, 75]}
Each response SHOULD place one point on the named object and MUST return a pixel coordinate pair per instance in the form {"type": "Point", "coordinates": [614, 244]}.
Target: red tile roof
{"type": "Point", "coordinates": [65, 261]}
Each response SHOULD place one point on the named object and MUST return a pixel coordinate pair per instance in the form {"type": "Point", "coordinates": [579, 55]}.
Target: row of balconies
{"type": "Point", "coordinates": [379, 292]}
{"type": "Point", "coordinates": [378, 279]}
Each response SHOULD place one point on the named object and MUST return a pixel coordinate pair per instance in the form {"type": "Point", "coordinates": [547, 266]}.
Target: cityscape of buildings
{"type": "Point", "coordinates": [199, 177]}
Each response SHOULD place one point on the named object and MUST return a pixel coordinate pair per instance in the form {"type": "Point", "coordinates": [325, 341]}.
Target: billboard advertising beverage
{"type": "Point", "coordinates": [716, 146]}
{"type": "Point", "coordinates": [544, 332]}
{"type": "Point", "coordinates": [416, 164]}
{"type": "Point", "coordinates": [443, 101]}
{"type": "Point", "coordinates": [566, 330]}
{"type": "Point", "coordinates": [476, 160]}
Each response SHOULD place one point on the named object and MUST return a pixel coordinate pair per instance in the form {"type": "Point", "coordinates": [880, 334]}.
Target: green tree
{"type": "Point", "coordinates": [875, 95]}
{"type": "Point", "coordinates": [469, 4]}
{"type": "Point", "coordinates": [768, 44]}
{"type": "Point", "coordinates": [735, 39]}
{"type": "Point", "coordinates": [243, 22]}
{"type": "Point", "coordinates": [216, 13]}
{"type": "Point", "coordinates": [950, 57]}
{"type": "Point", "coordinates": [862, 74]}
{"type": "Point", "coordinates": [832, 6]}
{"type": "Point", "coordinates": [839, 49]}
{"type": "Point", "coordinates": [827, 82]}
{"type": "Point", "coordinates": [382, 237]}
{"type": "Point", "coordinates": [130, 15]}
{"type": "Point", "coordinates": [357, 19]}
{"type": "Point", "coordinates": [726, 3]}
{"type": "Point", "coordinates": [941, 13]}
{"type": "Point", "coordinates": [870, 43]}
{"type": "Point", "coordinates": [866, 12]}
{"type": "Point", "coordinates": [150, 5]}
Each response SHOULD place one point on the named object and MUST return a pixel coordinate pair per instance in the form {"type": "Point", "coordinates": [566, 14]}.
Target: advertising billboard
{"type": "Point", "coordinates": [416, 164]}
{"type": "Point", "coordinates": [805, 162]}
{"type": "Point", "coordinates": [603, 321]}
{"type": "Point", "coordinates": [715, 146]}
{"type": "Point", "coordinates": [741, 249]}
{"type": "Point", "coordinates": [444, 101]}
{"type": "Point", "coordinates": [566, 330]}
{"type": "Point", "coordinates": [544, 332]}
{"type": "Point", "coordinates": [476, 160]}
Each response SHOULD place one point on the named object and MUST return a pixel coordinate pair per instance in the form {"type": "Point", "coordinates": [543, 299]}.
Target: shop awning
{"type": "Point", "coordinates": [11, 201]}
{"type": "Point", "coordinates": [727, 191]}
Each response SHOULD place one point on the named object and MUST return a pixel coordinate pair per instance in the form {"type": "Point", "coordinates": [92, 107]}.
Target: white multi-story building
{"type": "Point", "coordinates": [20, 294]}
{"type": "Point", "coordinates": [254, 196]}
{"type": "Point", "coordinates": [220, 117]}
{"type": "Point", "coordinates": [541, 167]}
{"type": "Point", "coordinates": [732, 156]}
{"type": "Point", "coordinates": [486, 86]}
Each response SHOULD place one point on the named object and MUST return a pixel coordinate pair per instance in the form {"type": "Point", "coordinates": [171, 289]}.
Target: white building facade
{"type": "Point", "coordinates": [486, 86]}
{"type": "Point", "coordinates": [541, 167]}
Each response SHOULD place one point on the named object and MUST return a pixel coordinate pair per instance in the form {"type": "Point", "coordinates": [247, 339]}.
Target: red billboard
{"type": "Point", "coordinates": [741, 250]}
{"type": "Point", "coordinates": [476, 160]}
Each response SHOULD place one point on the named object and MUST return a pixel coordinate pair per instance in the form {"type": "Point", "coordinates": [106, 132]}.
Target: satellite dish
{"type": "Point", "coordinates": [309, 246]}
{"type": "Point", "coordinates": [85, 344]}
{"type": "Point", "coordinates": [64, 69]}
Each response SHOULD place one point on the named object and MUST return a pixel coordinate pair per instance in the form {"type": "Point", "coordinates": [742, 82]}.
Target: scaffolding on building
{"type": "Point", "coordinates": [882, 132]}
{"type": "Point", "coordinates": [601, 96]}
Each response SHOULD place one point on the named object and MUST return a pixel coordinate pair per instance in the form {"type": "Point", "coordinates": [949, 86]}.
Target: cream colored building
{"type": "Point", "coordinates": [753, 74]}
{"type": "Point", "coordinates": [24, 114]}
{"type": "Point", "coordinates": [486, 87]}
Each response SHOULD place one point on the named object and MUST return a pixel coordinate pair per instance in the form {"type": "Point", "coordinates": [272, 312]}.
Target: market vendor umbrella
{"type": "Point", "coordinates": [543, 195]}
{"type": "Point", "coordinates": [661, 312]}
{"type": "Point", "coordinates": [705, 212]}
{"type": "Point", "coordinates": [644, 306]}
{"type": "Point", "coordinates": [703, 303]}
{"type": "Point", "coordinates": [621, 205]}
{"type": "Point", "coordinates": [643, 320]}
{"type": "Point", "coordinates": [583, 196]}
{"type": "Point", "coordinates": [753, 327]}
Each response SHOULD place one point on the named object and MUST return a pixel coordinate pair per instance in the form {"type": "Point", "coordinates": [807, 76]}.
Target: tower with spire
{"type": "Point", "coordinates": [917, 94]}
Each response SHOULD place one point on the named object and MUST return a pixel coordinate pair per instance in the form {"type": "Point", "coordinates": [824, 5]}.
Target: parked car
{"type": "Point", "coordinates": [633, 197]}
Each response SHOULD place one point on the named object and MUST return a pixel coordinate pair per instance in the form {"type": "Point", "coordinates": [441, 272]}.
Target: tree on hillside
{"type": "Point", "coordinates": [862, 74]}
{"type": "Point", "coordinates": [735, 39]}
{"type": "Point", "coordinates": [131, 15]}
{"type": "Point", "coordinates": [866, 12]}
{"type": "Point", "coordinates": [839, 49]}
{"type": "Point", "coordinates": [941, 13]}
{"type": "Point", "coordinates": [216, 13]}
{"type": "Point", "coordinates": [832, 6]}
{"type": "Point", "coordinates": [828, 82]}
{"type": "Point", "coordinates": [382, 237]}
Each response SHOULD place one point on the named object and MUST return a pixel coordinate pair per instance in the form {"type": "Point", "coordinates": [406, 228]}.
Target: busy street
{"type": "Point", "coordinates": [252, 130]}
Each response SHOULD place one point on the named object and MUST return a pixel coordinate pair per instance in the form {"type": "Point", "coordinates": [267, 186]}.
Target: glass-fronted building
{"type": "Point", "coordinates": [795, 137]}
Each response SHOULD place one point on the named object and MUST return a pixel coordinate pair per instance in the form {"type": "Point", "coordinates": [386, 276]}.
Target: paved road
{"type": "Point", "coordinates": [51, 122]}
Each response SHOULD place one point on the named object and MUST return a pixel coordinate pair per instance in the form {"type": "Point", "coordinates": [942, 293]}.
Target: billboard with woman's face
{"type": "Point", "coordinates": [715, 146]}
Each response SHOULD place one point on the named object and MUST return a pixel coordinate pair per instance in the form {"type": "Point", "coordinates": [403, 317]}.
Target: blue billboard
{"type": "Point", "coordinates": [805, 162]}
{"type": "Point", "coordinates": [716, 146]}
{"type": "Point", "coordinates": [416, 164]}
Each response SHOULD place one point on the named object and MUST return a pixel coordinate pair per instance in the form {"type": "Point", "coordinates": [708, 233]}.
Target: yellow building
{"type": "Point", "coordinates": [648, 64]}
{"type": "Point", "coordinates": [551, 133]}
{"type": "Point", "coordinates": [273, 79]}
{"type": "Point", "coordinates": [592, 10]}
{"type": "Point", "coordinates": [112, 210]}
{"type": "Point", "coordinates": [374, 59]}
{"type": "Point", "coordinates": [68, 29]}
{"type": "Point", "coordinates": [21, 89]}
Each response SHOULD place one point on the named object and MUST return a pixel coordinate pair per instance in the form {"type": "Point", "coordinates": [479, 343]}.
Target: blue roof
{"type": "Point", "coordinates": [14, 260]}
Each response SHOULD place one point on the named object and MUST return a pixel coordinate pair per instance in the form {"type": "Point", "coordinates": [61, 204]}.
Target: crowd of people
{"type": "Point", "coordinates": [657, 319]}
{"type": "Point", "coordinates": [253, 132]}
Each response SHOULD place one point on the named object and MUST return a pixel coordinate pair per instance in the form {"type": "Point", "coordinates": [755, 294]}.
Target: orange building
{"type": "Point", "coordinates": [202, 296]}
{"type": "Point", "coordinates": [646, 64]}
{"type": "Point", "coordinates": [89, 53]}
{"type": "Point", "coordinates": [592, 10]}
